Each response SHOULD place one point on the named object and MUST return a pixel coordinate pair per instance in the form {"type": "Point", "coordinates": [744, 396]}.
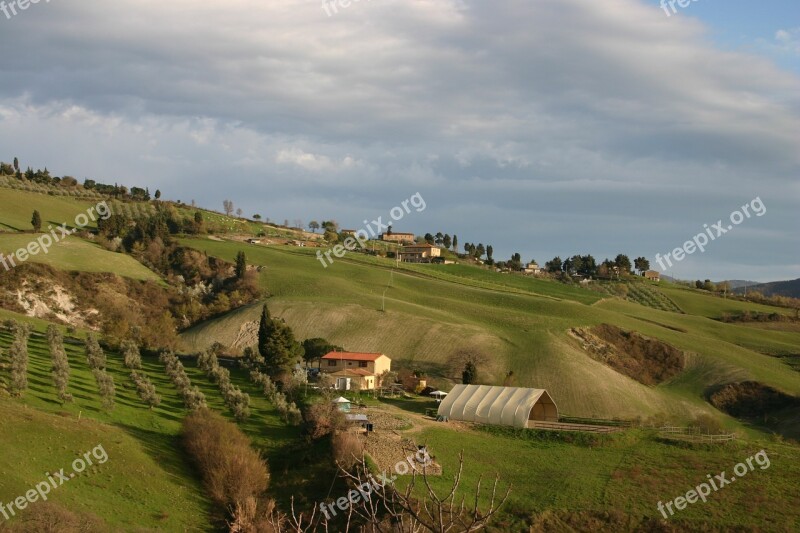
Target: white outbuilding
{"type": "Point", "coordinates": [501, 406]}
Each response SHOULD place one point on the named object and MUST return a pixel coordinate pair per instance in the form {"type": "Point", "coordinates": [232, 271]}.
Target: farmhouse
{"type": "Point", "coordinates": [532, 268]}
{"type": "Point", "coordinates": [361, 369]}
{"type": "Point", "coordinates": [652, 275]}
{"type": "Point", "coordinates": [501, 406]}
{"type": "Point", "coordinates": [419, 253]}
{"type": "Point", "coordinates": [402, 238]}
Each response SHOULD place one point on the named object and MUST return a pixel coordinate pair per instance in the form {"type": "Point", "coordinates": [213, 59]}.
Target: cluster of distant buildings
{"type": "Point", "coordinates": [411, 251]}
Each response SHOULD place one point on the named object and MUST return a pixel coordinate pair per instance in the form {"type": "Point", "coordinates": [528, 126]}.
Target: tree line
{"type": "Point", "coordinates": [43, 177]}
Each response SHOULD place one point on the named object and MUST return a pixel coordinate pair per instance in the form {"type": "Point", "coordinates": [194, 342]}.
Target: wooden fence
{"type": "Point", "coordinates": [688, 434]}
{"type": "Point", "coordinates": [567, 426]}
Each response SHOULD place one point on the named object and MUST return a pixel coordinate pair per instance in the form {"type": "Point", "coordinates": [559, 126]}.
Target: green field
{"type": "Point", "coordinates": [628, 473]}
{"type": "Point", "coordinates": [74, 253]}
{"type": "Point", "coordinates": [429, 312]}
{"type": "Point", "coordinates": [18, 207]}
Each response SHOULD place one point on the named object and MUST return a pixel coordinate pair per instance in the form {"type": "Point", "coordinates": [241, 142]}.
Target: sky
{"type": "Point", "coordinates": [544, 127]}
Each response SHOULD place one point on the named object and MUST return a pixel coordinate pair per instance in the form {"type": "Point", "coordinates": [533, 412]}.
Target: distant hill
{"type": "Point", "coordinates": [736, 283]}
{"type": "Point", "coordinates": [780, 288]}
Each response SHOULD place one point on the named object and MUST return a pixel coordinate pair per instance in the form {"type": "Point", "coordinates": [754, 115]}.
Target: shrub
{"type": "Point", "coordinates": [323, 418]}
{"type": "Point", "coordinates": [231, 470]}
{"type": "Point", "coordinates": [706, 424]}
{"type": "Point", "coordinates": [47, 517]}
{"type": "Point", "coordinates": [347, 450]}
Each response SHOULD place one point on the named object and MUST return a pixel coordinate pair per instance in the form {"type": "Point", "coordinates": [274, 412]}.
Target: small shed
{"type": "Point", "coordinates": [343, 404]}
{"type": "Point", "coordinates": [438, 395]}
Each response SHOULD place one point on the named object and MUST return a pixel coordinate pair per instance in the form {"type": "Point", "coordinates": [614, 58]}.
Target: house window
{"type": "Point", "coordinates": [362, 364]}
{"type": "Point", "coordinates": [331, 362]}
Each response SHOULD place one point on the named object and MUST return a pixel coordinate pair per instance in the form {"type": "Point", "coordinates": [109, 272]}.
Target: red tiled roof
{"type": "Point", "coordinates": [352, 356]}
{"type": "Point", "coordinates": [426, 245]}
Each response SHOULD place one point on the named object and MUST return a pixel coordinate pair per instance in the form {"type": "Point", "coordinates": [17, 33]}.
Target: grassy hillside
{"type": "Point", "coordinates": [522, 325]}
{"type": "Point", "coordinates": [143, 444]}
{"type": "Point", "coordinates": [74, 253]}
{"type": "Point", "coordinates": [133, 488]}
{"type": "Point", "coordinates": [695, 302]}
{"type": "Point", "coordinates": [145, 482]}
{"type": "Point", "coordinates": [627, 473]}
{"type": "Point", "coordinates": [781, 288]}
{"type": "Point", "coordinates": [18, 208]}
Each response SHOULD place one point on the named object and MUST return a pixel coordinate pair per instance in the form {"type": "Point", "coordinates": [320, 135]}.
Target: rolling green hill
{"type": "Point", "coordinates": [419, 315]}
{"type": "Point", "coordinates": [520, 322]}
{"type": "Point", "coordinates": [147, 482]}
{"type": "Point", "coordinates": [74, 253]}
{"type": "Point", "coordinates": [18, 208]}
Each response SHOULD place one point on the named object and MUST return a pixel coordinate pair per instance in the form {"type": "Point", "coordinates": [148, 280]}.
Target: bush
{"type": "Point", "coordinates": [706, 424]}
{"type": "Point", "coordinates": [347, 450]}
{"type": "Point", "coordinates": [323, 418]}
{"type": "Point", "coordinates": [47, 517]}
{"type": "Point", "coordinates": [232, 471]}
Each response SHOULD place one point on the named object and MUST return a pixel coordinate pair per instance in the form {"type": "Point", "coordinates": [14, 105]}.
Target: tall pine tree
{"type": "Point", "coordinates": [241, 265]}
{"type": "Point", "coordinates": [277, 345]}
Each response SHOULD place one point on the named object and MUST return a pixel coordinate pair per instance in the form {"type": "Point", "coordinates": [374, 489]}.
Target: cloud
{"type": "Point", "coordinates": [788, 40]}
{"type": "Point", "coordinates": [597, 119]}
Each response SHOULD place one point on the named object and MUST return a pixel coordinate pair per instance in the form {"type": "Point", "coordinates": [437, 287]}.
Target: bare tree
{"type": "Point", "coordinates": [379, 507]}
{"type": "Point", "coordinates": [459, 359]}
{"type": "Point", "coordinates": [227, 205]}
{"type": "Point", "coordinates": [431, 512]}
